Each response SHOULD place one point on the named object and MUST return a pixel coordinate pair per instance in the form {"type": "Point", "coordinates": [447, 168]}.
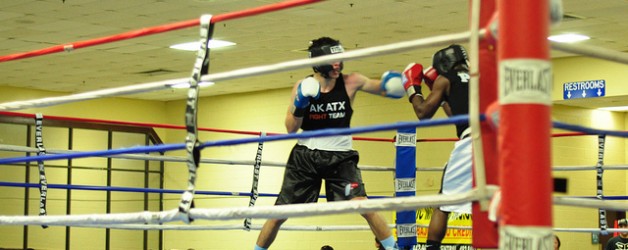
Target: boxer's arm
{"type": "Point", "coordinates": [424, 108]}
{"type": "Point", "coordinates": [411, 79]}
{"type": "Point", "coordinates": [355, 82]}
{"type": "Point", "coordinates": [292, 122]}
{"type": "Point", "coordinates": [429, 76]}
{"type": "Point", "coordinates": [446, 108]}
{"type": "Point", "coordinates": [302, 93]}
{"type": "Point", "coordinates": [389, 85]}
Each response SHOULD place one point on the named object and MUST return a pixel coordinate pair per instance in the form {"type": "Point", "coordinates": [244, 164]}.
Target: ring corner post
{"type": "Point", "coordinates": [525, 126]}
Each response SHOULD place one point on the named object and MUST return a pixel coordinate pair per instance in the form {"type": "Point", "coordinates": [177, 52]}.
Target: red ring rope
{"type": "Point", "coordinates": [156, 30]}
{"type": "Point", "coordinates": [229, 131]}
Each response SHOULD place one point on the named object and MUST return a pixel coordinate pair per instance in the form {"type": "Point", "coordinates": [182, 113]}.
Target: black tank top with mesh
{"type": "Point", "coordinates": [458, 97]}
{"type": "Point", "coordinates": [331, 110]}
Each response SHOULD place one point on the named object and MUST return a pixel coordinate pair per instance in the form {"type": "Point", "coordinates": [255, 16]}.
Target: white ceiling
{"type": "Point", "coordinates": [28, 25]}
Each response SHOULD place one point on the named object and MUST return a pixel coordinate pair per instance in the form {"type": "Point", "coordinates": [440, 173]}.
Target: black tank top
{"type": "Point", "coordinates": [331, 110]}
{"type": "Point", "coordinates": [458, 97]}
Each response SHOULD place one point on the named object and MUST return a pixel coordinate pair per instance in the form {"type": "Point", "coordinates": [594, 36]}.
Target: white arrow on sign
{"type": "Point", "coordinates": [599, 92]}
{"type": "Point", "coordinates": [568, 94]}
{"type": "Point", "coordinates": [584, 94]}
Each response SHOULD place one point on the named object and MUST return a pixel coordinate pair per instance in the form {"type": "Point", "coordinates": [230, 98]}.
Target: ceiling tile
{"type": "Point", "coordinates": [262, 39]}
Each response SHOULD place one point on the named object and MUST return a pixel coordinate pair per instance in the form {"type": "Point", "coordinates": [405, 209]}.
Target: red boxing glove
{"type": "Point", "coordinates": [429, 77]}
{"type": "Point", "coordinates": [411, 79]}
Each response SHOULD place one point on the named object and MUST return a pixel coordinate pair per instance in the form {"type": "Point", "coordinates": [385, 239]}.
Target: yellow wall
{"type": "Point", "coordinates": [573, 69]}
{"type": "Point", "coordinates": [104, 108]}
{"type": "Point", "coordinates": [90, 172]}
{"type": "Point", "coordinates": [265, 111]}
{"type": "Point", "coordinates": [583, 151]}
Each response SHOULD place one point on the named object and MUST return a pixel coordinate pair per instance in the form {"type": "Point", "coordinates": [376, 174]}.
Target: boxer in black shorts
{"type": "Point", "coordinates": [321, 101]}
{"type": "Point", "coordinates": [307, 168]}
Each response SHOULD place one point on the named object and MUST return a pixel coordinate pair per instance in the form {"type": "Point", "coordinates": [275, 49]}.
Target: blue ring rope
{"type": "Point", "coordinates": [305, 134]}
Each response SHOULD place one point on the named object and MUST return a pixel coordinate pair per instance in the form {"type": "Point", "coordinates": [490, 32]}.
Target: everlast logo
{"type": "Point", "coordinates": [406, 140]}
{"type": "Point", "coordinates": [258, 157]}
{"type": "Point", "coordinates": [42, 196]}
{"type": "Point", "coordinates": [446, 247]}
{"type": "Point", "coordinates": [406, 230]}
{"type": "Point", "coordinates": [406, 184]}
{"type": "Point", "coordinates": [39, 140]}
{"type": "Point", "coordinates": [512, 241]}
{"type": "Point", "coordinates": [518, 79]}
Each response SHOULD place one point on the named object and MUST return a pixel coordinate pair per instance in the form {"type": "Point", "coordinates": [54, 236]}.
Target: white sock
{"type": "Point", "coordinates": [389, 243]}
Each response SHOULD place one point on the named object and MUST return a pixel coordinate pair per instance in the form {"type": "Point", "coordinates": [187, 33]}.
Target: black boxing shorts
{"type": "Point", "coordinates": [306, 168]}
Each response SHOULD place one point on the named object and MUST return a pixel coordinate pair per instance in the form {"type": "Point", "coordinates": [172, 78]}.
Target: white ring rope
{"type": "Point", "coordinates": [354, 54]}
{"type": "Point", "coordinates": [244, 72]}
{"type": "Point", "coordinates": [305, 228]}
{"type": "Point", "coordinates": [579, 168]}
{"type": "Point", "coordinates": [590, 230]}
{"type": "Point", "coordinates": [13, 148]}
{"type": "Point", "coordinates": [124, 220]}
{"type": "Point", "coordinates": [590, 203]}
{"type": "Point", "coordinates": [286, 211]}
{"type": "Point", "coordinates": [479, 168]}
{"type": "Point", "coordinates": [325, 228]}
{"type": "Point", "coordinates": [230, 227]}
{"type": "Point", "coordinates": [142, 156]}
{"type": "Point", "coordinates": [592, 51]}
{"type": "Point", "coordinates": [253, 227]}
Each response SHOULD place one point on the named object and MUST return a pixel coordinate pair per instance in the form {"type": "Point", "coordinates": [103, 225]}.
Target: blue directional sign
{"type": "Point", "coordinates": [584, 89]}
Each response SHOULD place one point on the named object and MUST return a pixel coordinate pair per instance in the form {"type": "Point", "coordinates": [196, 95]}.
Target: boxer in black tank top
{"type": "Point", "coordinates": [449, 89]}
{"type": "Point", "coordinates": [330, 110]}
{"type": "Point", "coordinates": [324, 101]}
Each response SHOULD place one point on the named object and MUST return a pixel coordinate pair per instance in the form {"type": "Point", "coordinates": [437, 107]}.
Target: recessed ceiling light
{"type": "Point", "coordinates": [184, 85]}
{"type": "Point", "coordinates": [619, 108]}
{"type": "Point", "coordinates": [568, 38]}
{"type": "Point", "coordinates": [193, 46]}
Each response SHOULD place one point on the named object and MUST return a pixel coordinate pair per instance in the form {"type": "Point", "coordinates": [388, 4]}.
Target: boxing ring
{"type": "Point", "coordinates": [152, 220]}
{"type": "Point", "coordinates": [185, 212]}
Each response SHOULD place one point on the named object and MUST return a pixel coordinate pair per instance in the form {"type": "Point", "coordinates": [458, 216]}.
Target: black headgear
{"type": "Point", "coordinates": [445, 59]}
{"type": "Point", "coordinates": [325, 46]}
